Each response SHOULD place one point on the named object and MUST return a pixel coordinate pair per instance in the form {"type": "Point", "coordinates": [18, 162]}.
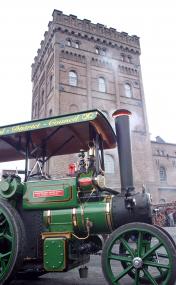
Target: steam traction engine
{"type": "Point", "coordinates": [54, 225]}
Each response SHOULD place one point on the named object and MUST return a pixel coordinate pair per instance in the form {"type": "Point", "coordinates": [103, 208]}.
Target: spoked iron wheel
{"type": "Point", "coordinates": [141, 251]}
{"type": "Point", "coordinates": [12, 241]}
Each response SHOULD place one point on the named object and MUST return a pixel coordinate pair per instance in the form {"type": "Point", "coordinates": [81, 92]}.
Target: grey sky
{"type": "Point", "coordinates": [22, 26]}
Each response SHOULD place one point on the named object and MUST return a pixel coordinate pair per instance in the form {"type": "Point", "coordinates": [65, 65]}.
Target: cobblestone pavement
{"type": "Point", "coordinates": [95, 276]}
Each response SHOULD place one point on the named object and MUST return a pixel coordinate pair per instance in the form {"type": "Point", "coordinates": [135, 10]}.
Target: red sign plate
{"type": "Point", "coordinates": [48, 193]}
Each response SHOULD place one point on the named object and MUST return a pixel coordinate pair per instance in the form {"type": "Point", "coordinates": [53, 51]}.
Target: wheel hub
{"type": "Point", "coordinates": [137, 262]}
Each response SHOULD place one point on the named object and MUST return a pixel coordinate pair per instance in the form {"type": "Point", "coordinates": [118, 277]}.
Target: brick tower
{"type": "Point", "coordinates": [80, 66]}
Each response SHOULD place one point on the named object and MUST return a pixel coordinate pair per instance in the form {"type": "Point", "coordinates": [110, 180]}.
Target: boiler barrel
{"type": "Point", "coordinates": [96, 215]}
{"type": "Point", "coordinates": [100, 216]}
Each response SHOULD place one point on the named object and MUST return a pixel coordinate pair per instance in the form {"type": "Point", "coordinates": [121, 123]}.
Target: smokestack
{"type": "Point", "coordinates": [124, 149]}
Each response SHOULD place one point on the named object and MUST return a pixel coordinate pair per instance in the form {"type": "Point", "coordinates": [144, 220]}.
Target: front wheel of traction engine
{"type": "Point", "coordinates": [12, 241]}
{"type": "Point", "coordinates": [141, 251]}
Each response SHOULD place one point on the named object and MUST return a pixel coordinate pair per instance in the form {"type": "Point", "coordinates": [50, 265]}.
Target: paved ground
{"type": "Point", "coordinates": [95, 276]}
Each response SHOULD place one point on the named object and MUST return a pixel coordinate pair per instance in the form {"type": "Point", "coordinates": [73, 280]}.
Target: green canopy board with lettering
{"type": "Point", "coordinates": [59, 135]}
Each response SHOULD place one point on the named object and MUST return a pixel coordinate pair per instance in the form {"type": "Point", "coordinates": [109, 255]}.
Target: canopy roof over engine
{"type": "Point", "coordinates": [54, 136]}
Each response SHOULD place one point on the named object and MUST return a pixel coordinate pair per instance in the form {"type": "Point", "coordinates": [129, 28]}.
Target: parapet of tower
{"type": "Point", "coordinates": [84, 29]}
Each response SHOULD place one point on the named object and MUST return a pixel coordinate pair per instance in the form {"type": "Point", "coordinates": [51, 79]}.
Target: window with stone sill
{"type": "Point", "coordinates": [76, 44]}
{"type": "Point", "coordinates": [69, 42]}
{"type": "Point", "coordinates": [128, 90]}
{"type": "Point", "coordinates": [73, 78]}
{"type": "Point", "coordinates": [101, 84]}
{"type": "Point", "coordinates": [97, 50]}
{"type": "Point", "coordinates": [103, 52]}
{"type": "Point", "coordinates": [122, 57]}
{"type": "Point", "coordinates": [129, 59]}
{"type": "Point", "coordinates": [162, 173]}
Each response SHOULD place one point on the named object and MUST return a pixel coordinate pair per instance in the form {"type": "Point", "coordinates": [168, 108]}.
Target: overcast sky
{"type": "Point", "coordinates": [22, 26]}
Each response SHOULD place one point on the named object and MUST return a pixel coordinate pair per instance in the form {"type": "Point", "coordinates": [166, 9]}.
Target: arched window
{"type": "Point", "coordinates": [129, 59]}
{"type": "Point", "coordinates": [162, 173]}
{"type": "Point", "coordinates": [76, 44]}
{"type": "Point", "coordinates": [101, 84]}
{"type": "Point", "coordinates": [128, 90]}
{"type": "Point", "coordinates": [109, 163]}
{"type": "Point", "coordinates": [69, 42]}
{"type": "Point", "coordinates": [122, 57]}
{"type": "Point", "coordinates": [73, 108]}
{"type": "Point", "coordinates": [97, 50]}
{"type": "Point", "coordinates": [103, 51]}
{"type": "Point", "coordinates": [73, 78]}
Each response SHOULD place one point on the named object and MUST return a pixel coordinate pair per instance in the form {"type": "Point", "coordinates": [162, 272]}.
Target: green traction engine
{"type": "Point", "coordinates": [54, 225]}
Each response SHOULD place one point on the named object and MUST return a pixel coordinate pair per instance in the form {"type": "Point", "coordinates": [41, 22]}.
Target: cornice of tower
{"type": "Point", "coordinates": [99, 33]}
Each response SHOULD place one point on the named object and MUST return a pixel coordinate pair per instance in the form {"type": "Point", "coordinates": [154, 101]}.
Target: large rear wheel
{"type": "Point", "coordinates": [141, 251]}
{"type": "Point", "coordinates": [12, 241]}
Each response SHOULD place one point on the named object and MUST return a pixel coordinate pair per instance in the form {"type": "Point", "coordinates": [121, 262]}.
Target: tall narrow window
{"type": "Point", "coordinates": [50, 112]}
{"type": "Point", "coordinates": [77, 45]}
{"type": "Point", "coordinates": [69, 42]}
{"type": "Point", "coordinates": [42, 98]}
{"type": "Point", "coordinates": [128, 90]}
{"type": "Point", "coordinates": [129, 59]}
{"type": "Point", "coordinates": [103, 51]}
{"type": "Point", "coordinates": [162, 172]}
{"type": "Point", "coordinates": [51, 82]}
{"type": "Point", "coordinates": [36, 109]}
{"type": "Point", "coordinates": [97, 50]}
{"type": "Point", "coordinates": [73, 78]}
{"type": "Point", "coordinates": [101, 84]}
{"type": "Point", "coordinates": [122, 57]}
{"type": "Point", "coordinates": [109, 164]}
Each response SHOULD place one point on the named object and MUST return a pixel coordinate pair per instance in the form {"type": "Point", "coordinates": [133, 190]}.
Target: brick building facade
{"type": "Point", "coordinates": [164, 162]}
{"type": "Point", "coordinates": [80, 66]}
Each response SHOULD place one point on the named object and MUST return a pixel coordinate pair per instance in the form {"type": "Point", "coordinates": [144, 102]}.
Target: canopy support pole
{"type": "Point", "coordinates": [27, 156]}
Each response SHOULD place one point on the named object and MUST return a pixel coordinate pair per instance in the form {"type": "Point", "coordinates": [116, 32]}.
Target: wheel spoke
{"type": "Point", "coordinates": [156, 264]}
{"type": "Point", "coordinates": [2, 265]}
{"type": "Point", "coordinates": [123, 273]}
{"type": "Point", "coordinates": [117, 257]}
{"type": "Point", "coordinates": [137, 271]}
{"type": "Point", "coordinates": [149, 277]}
{"type": "Point", "coordinates": [152, 249]}
{"type": "Point", "coordinates": [8, 236]}
{"type": "Point", "coordinates": [4, 255]}
{"type": "Point", "coordinates": [139, 244]}
{"type": "Point", "coordinates": [161, 271]}
{"type": "Point", "coordinates": [126, 245]}
{"type": "Point", "coordinates": [2, 235]}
